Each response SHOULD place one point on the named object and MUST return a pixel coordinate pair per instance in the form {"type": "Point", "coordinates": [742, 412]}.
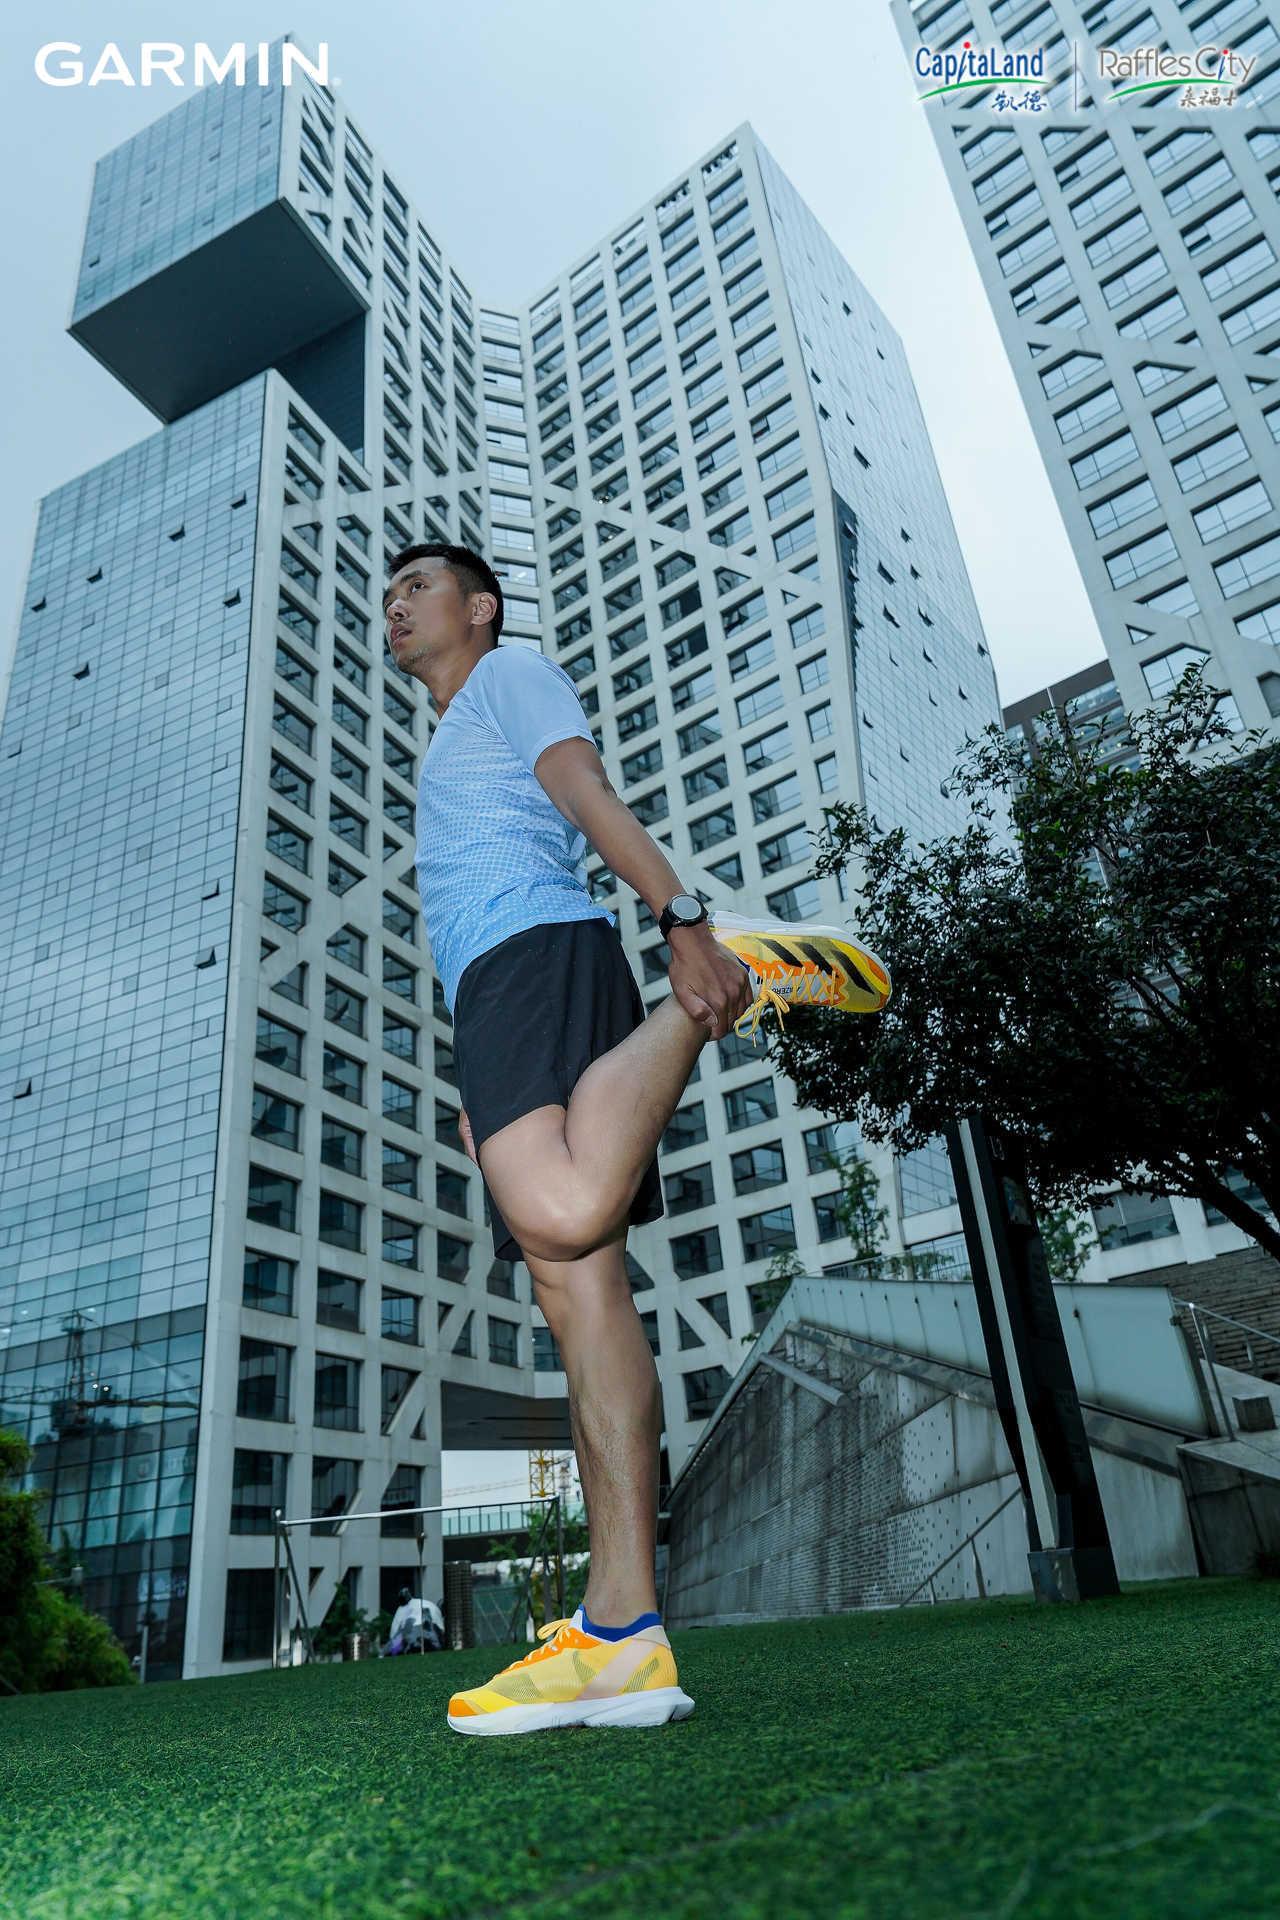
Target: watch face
{"type": "Point", "coordinates": [685, 906]}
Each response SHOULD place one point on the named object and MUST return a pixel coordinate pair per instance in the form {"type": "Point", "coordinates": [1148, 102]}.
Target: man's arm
{"type": "Point", "coordinates": [709, 983]}
{"type": "Point", "coordinates": [573, 774]}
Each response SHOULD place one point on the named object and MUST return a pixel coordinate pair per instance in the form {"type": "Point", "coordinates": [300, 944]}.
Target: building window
{"type": "Point", "coordinates": [337, 1399]}
{"type": "Point", "coordinates": [268, 1282]}
{"type": "Point", "coordinates": [1250, 568]}
{"type": "Point", "coordinates": [399, 1316]}
{"type": "Point", "coordinates": [1233, 510]}
{"type": "Point", "coordinates": [693, 1254]}
{"type": "Point", "coordinates": [764, 1234]}
{"type": "Point", "coordinates": [1144, 556]}
{"type": "Point", "coordinates": [259, 1484]}
{"type": "Point", "coordinates": [689, 1189]}
{"type": "Point", "coordinates": [1130, 1219]}
{"type": "Point", "coordinates": [687, 1127]}
{"type": "Point", "coordinates": [249, 1616]}
{"type": "Point", "coordinates": [338, 1299]}
{"type": "Point", "coordinates": [748, 1106]}
{"type": "Point", "coordinates": [263, 1386]}
{"type": "Point", "coordinates": [757, 1167]}
{"type": "Point", "coordinates": [925, 1178]}
{"type": "Point", "coordinates": [396, 1382]}
{"type": "Point", "coordinates": [703, 1391]}
{"type": "Point", "coordinates": [503, 1342]}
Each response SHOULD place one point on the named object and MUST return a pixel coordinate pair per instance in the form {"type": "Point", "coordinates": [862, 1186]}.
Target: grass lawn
{"type": "Point", "coordinates": [1113, 1760]}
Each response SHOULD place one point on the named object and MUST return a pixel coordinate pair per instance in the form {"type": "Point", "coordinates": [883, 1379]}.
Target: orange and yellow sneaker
{"type": "Point", "coordinates": [579, 1679]}
{"type": "Point", "coordinates": [797, 966]}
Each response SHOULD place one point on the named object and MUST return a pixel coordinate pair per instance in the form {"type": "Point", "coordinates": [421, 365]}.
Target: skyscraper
{"type": "Point", "coordinates": [1128, 235]}
{"type": "Point", "coordinates": [235, 1200]}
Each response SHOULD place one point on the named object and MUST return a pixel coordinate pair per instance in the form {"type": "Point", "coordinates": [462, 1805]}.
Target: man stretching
{"type": "Point", "coordinates": [567, 1084]}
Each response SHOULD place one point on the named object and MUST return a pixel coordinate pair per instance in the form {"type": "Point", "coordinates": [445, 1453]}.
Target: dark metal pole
{"type": "Point", "coordinates": [422, 1588]}
{"type": "Point", "coordinates": [1035, 1392]}
{"type": "Point", "coordinates": [560, 1553]}
{"type": "Point", "coordinates": [275, 1597]}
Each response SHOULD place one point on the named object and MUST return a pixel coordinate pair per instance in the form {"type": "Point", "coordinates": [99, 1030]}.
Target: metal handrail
{"type": "Point", "coordinates": [1257, 1332]}
{"type": "Point", "coordinates": [1211, 1363]}
{"type": "Point", "coordinates": [386, 1513]}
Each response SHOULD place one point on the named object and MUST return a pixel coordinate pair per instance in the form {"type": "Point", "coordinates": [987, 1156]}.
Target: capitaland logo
{"type": "Point", "coordinates": [62, 63]}
{"type": "Point", "coordinates": [969, 66]}
{"type": "Point", "coordinates": [1148, 68]}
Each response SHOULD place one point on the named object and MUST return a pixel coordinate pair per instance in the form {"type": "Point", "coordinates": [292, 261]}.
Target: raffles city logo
{"type": "Point", "coordinates": [1210, 77]}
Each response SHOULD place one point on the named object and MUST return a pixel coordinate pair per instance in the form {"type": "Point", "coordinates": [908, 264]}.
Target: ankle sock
{"type": "Point", "coordinates": [620, 1633]}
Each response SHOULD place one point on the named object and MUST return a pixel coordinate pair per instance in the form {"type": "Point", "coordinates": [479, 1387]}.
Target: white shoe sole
{"type": "Point", "coordinates": [651, 1709]}
{"type": "Point", "coordinates": [776, 929]}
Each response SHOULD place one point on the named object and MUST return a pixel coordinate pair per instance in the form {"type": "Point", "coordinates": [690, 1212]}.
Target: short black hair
{"type": "Point", "coordinates": [472, 572]}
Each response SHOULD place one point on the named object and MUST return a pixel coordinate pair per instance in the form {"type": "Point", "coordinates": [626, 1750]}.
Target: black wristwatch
{"type": "Point", "coordinates": [682, 910]}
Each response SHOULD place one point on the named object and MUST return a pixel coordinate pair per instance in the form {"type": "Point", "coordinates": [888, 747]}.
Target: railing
{"type": "Point", "coordinates": [1204, 1338]}
{"type": "Point", "coordinates": [493, 1519]}
{"type": "Point", "coordinates": [552, 1509]}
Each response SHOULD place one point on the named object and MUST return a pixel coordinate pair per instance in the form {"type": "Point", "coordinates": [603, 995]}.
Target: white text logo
{"type": "Point", "coordinates": [60, 64]}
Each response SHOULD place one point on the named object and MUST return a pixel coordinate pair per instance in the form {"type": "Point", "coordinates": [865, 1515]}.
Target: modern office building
{"type": "Point", "coordinates": [1129, 242]}
{"type": "Point", "coordinates": [246, 1263]}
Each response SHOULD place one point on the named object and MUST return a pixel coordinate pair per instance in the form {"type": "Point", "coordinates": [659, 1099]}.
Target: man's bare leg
{"type": "Point", "coordinates": [615, 1406]}
{"type": "Point", "coordinates": [625, 1099]}
{"type": "Point", "coordinates": [610, 1130]}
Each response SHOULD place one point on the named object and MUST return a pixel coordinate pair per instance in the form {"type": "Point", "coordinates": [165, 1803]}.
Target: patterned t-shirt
{"type": "Point", "coordinates": [494, 853]}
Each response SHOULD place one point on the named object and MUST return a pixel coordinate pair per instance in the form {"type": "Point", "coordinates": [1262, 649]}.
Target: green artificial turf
{"type": "Point", "coordinates": [1117, 1759]}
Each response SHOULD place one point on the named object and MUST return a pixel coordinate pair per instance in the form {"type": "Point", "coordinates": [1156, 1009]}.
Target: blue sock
{"type": "Point", "coordinates": [620, 1633]}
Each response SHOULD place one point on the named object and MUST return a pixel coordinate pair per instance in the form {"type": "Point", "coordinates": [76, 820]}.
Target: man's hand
{"type": "Point", "coordinates": [709, 983]}
{"type": "Point", "coordinates": [464, 1129]}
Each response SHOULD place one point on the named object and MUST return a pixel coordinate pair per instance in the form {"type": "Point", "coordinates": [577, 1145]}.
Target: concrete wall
{"type": "Point", "coordinates": [901, 1489]}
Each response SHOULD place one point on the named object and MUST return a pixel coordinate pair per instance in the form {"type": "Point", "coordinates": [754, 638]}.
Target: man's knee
{"type": "Point", "coordinates": [564, 1228]}
{"type": "Point", "coordinates": [552, 1220]}
{"type": "Point", "coordinates": [538, 1190]}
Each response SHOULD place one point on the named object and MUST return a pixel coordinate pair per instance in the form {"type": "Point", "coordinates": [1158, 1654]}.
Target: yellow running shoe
{"type": "Point", "coordinates": [578, 1680]}
{"type": "Point", "coordinates": [802, 966]}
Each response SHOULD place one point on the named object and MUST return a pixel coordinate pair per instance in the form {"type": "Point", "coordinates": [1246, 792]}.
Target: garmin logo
{"type": "Point", "coordinates": [61, 63]}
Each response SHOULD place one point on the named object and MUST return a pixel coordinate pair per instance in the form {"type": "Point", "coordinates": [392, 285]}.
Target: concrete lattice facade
{"type": "Point", "coordinates": [700, 466]}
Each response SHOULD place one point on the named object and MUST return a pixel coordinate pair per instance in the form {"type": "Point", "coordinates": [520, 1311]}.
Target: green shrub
{"type": "Point", "coordinates": [49, 1643]}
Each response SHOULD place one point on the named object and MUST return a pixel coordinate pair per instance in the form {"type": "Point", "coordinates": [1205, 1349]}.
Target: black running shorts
{"type": "Point", "coordinates": [529, 1017]}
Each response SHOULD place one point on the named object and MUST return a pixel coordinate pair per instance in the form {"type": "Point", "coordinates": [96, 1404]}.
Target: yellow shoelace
{"type": "Point", "coordinates": [552, 1626]}
{"type": "Point", "coordinates": [767, 997]}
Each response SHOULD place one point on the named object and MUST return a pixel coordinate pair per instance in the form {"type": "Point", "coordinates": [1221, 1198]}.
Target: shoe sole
{"type": "Point", "coordinates": [651, 1709]}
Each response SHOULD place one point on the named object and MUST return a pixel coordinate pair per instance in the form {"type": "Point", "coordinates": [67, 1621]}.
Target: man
{"type": "Point", "coordinates": [412, 1620]}
{"type": "Point", "coordinates": [566, 1085]}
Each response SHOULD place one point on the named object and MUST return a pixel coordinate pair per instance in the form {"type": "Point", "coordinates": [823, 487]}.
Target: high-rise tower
{"type": "Point", "coordinates": [1128, 235]}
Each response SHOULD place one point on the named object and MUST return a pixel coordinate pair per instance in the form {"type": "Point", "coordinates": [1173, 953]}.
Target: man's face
{"type": "Point", "coordinates": [425, 613]}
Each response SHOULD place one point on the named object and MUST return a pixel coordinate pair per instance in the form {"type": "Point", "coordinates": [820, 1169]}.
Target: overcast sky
{"type": "Point", "coordinates": [525, 130]}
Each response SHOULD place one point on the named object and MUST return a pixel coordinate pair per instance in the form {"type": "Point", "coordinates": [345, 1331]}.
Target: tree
{"type": "Point", "coordinates": [49, 1642]}
{"type": "Point", "coordinates": [1106, 987]}
{"type": "Point", "coordinates": [1068, 1242]}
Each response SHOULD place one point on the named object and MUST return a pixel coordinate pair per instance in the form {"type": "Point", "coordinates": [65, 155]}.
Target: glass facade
{"type": "Point", "coordinates": [121, 768]}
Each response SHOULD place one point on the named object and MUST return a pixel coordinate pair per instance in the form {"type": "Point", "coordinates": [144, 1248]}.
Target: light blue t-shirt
{"type": "Point", "coordinates": [494, 853]}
